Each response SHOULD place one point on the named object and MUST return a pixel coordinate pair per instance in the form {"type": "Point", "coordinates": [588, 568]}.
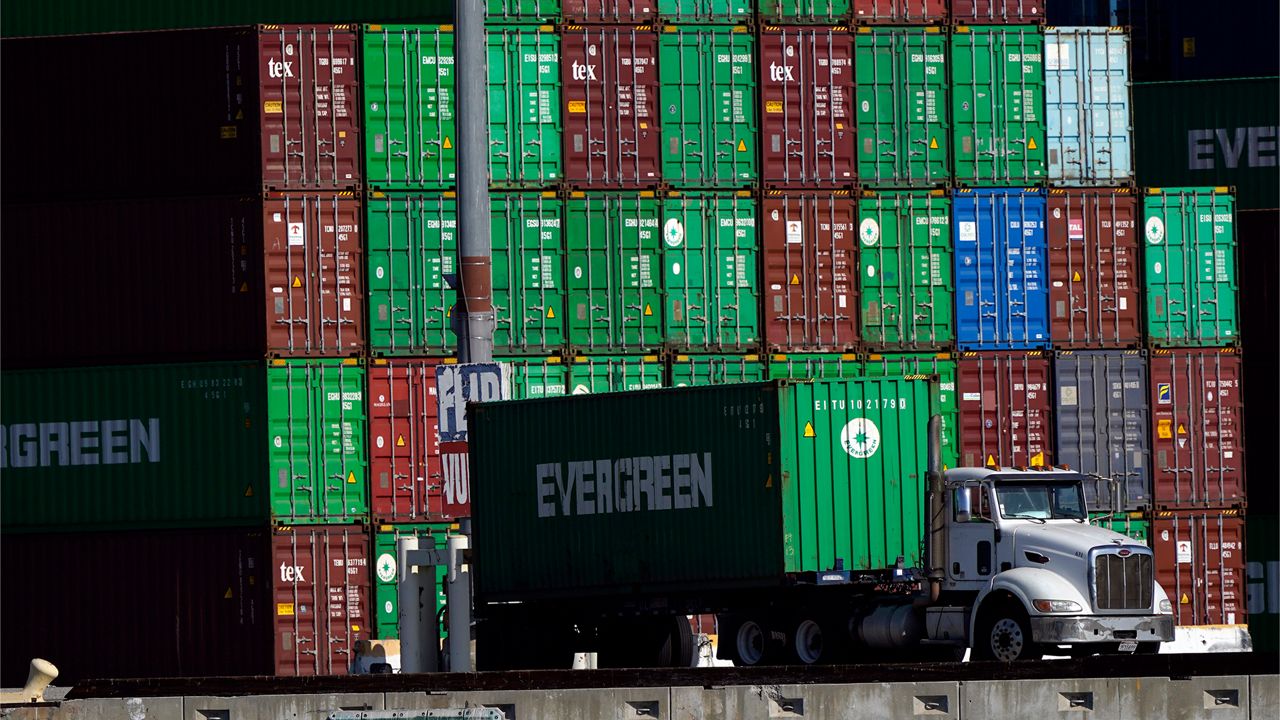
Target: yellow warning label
{"type": "Point", "coordinates": [240, 114]}
{"type": "Point", "coordinates": [933, 143]}
{"type": "Point", "coordinates": [1164, 429]}
{"type": "Point", "coordinates": [773, 106]}
{"type": "Point", "coordinates": [284, 609]}
{"type": "Point", "coordinates": [1037, 460]}
{"type": "Point", "coordinates": [648, 310]}
{"type": "Point", "coordinates": [297, 281]}
{"type": "Point", "coordinates": [273, 107]}
{"type": "Point", "coordinates": [244, 287]}
{"type": "Point", "coordinates": [1185, 600]}
{"type": "Point", "coordinates": [1075, 276]}
{"type": "Point", "coordinates": [351, 478]}
{"type": "Point", "coordinates": [795, 279]}
{"type": "Point", "coordinates": [742, 146]}
{"type": "Point", "coordinates": [355, 628]}
{"type": "Point", "coordinates": [769, 481]}
{"type": "Point", "coordinates": [400, 441]}
{"type": "Point", "coordinates": [448, 313]}
{"type": "Point", "coordinates": [1182, 429]}
{"type": "Point", "coordinates": [991, 460]}
{"type": "Point", "coordinates": [1031, 144]}
{"type": "Point", "coordinates": [808, 430]}
{"type": "Point", "coordinates": [839, 126]}
{"type": "Point", "coordinates": [227, 594]}
{"type": "Point", "coordinates": [228, 132]}
{"type": "Point", "coordinates": [342, 133]}
{"type": "Point", "coordinates": [248, 491]}
{"type": "Point", "coordinates": [447, 143]}
{"type": "Point", "coordinates": [551, 313]}
{"type": "Point", "coordinates": [577, 106]}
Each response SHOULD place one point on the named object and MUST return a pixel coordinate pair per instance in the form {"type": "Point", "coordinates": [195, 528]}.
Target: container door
{"type": "Point", "coordinates": [1094, 290]}
{"type": "Point", "coordinates": [903, 129]}
{"type": "Point", "coordinates": [536, 377]}
{"type": "Point", "coordinates": [998, 11]}
{"type": "Point", "coordinates": [322, 593]}
{"type": "Point", "coordinates": [706, 11]}
{"type": "Point", "coordinates": [699, 370]}
{"type": "Point", "coordinates": [618, 12]}
{"type": "Point", "coordinates": [1087, 106]}
{"type": "Point", "coordinates": [528, 273]}
{"type": "Point", "coordinates": [524, 102]}
{"type": "Point", "coordinates": [1005, 409]}
{"type": "Point", "coordinates": [1200, 562]}
{"type": "Point", "coordinates": [805, 12]}
{"type": "Point", "coordinates": [413, 245]}
{"type": "Point", "coordinates": [615, 374]}
{"type": "Point", "coordinates": [899, 12]}
{"type": "Point", "coordinates": [521, 11]}
{"type": "Point", "coordinates": [404, 447]}
{"type": "Point", "coordinates": [943, 400]}
{"type": "Point", "coordinates": [814, 366]}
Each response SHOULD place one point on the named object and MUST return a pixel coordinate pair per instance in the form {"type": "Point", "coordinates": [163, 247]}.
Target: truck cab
{"type": "Point", "coordinates": [1025, 573]}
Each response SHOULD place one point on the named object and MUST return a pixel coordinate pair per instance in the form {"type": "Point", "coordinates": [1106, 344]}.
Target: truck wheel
{"type": "Point", "coordinates": [1004, 634]}
{"type": "Point", "coordinates": [751, 642]}
{"type": "Point", "coordinates": [807, 643]}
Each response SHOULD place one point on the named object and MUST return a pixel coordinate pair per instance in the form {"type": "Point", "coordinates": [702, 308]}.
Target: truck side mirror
{"type": "Point", "coordinates": [964, 510]}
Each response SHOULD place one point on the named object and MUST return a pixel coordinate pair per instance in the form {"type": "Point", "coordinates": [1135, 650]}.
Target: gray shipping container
{"type": "Point", "coordinates": [1103, 420]}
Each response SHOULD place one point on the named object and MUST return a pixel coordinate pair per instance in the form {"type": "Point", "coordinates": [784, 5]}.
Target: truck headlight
{"type": "Point", "coordinates": [1166, 607]}
{"type": "Point", "coordinates": [1055, 606]}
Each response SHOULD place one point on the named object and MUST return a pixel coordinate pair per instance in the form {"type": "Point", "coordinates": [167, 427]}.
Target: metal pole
{"type": "Point", "coordinates": [419, 638]}
{"type": "Point", "coordinates": [458, 592]}
{"type": "Point", "coordinates": [474, 244]}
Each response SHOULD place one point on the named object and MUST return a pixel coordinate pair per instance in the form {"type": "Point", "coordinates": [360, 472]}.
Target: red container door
{"type": "Point", "coordinates": [619, 12]}
{"type": "Point", "coordinates": [1197, 441]}
{"type": "Point", "coordinates": [1200, 562]}
{"type": "Point", "coordinates": [997, 12]}
{"type": "Point", "coordinates": [809, 269]}
{"type": "Point", "coordinates": [1094, 285]}
{"type": "Point", "coordinates": [321, 596]}
{"type": "Point", "coordinates": [899, 12]}
{"type": "Point", "coordinates": [610, 77]}
{"type": "Point", "coordinates": [807, 125]}
{"type": "Point", "coordinates": [314, 261]}
{"type": "Point", "coordinates": [1006, 416]}
{"type": "Point", "coordinates": [310, 107]}
{"type": "Point", "coordinates": [404, 442]}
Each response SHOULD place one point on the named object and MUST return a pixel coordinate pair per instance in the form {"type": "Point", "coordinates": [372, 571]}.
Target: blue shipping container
{"type": "Point", "coordinates": [1090, 135]}
{"type": "Point", "coordinates": [1103, 416]}
{"type": "Point", "coordinates": [1002, 299]}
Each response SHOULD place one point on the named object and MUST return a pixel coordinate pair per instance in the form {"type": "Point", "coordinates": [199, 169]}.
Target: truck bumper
{"type": "Point", "coordinates": [1055, 630]}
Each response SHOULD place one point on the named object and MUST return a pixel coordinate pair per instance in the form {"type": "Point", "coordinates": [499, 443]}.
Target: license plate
{"type": "Point", "coordinates": [1128, 646]}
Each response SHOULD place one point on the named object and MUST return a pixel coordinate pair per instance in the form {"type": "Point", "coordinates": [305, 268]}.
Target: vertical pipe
{"type": "Point", "coordinates": [417, 651]}
{"type": "Point", "coordinates": [459, 603]}
{"type": "Point", "coordinates": [475, 246]}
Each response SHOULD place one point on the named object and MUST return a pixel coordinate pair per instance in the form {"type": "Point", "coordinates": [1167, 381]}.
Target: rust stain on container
{"type": "Point", "coordinates": [1094, 283]}
{"type": "Point", "coordinates": [1200, 563]}
{"type": "Point", "coordinates": [610, 87]}
{"type": "Point", "coordinates": [406, 477]}
{"type": "Point", "coordinates": [1006, 415]}
{"type": "Point", "coordinates": [806, 115]}
{"type": "Point", "coordinates": [997, 11]}
{"type": "Point", "coordinates": [810, 262]}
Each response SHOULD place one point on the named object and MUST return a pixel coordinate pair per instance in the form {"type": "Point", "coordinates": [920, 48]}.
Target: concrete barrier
{"type": "Point", "coordinates": [1095, 699]}
{"type": "Point", "coordinates": [898, 701]}
{"type": "Point", "coordinates": [602, 704]}
{"type": "Point", "coordinates": [1264, 696]}
{"type": "Point", "coordinates": [166, 708]}
{"type": "Point", "coordinates": [1199, 698]}
{"type": "Point", "coordinates": [277, 707]}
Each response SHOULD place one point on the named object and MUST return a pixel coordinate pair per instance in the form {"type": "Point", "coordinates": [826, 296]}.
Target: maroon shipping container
{"type": "Point", "coordinates": [182, 112]}
{"type": "Point", "coordinates": [1005, 407]}
{"type": "Point", "coordinates": [185, 603]}
{"type": "Point", "coordinates": [806, 94]}
{"type": "Point", "coordinates": [1200, 562]}
{"type": "Point", "coordinates": [810, 263]}
{"type": "Point", "coordinates": [989, 12]}
{"type": "Point", "coordinates": [1197, 440]}
{"type": "Point", "coordinates": [899, 12]}
{"type": "Point", "coordinates": [1094, 282]}
{"type": "Point", "coordinates": [181, 279]}
{"type": "Point", "coordinates": [406, 476]}
{"type": "Point", "coordinates": [611, 123]}
{"type": "Point", "coordinates": [618, 12]}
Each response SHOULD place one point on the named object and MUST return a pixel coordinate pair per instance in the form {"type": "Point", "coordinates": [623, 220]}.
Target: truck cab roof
{"type": "Point", "coordinates": [970, 474]}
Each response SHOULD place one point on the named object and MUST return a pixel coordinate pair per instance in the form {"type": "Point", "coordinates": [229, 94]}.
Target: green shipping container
{"type": "Point", "coordinates": [527, 237]}
{"type": "Point", "coordinates": [1133, 525]}
{"type": "Point", "coordinates": [1210, 133]}
{"type": "Point", "coordinates": [593, 375]}
{"type": "Point", "coordinates": [905, 257]}
{"type": "Point", "coordinates": [806, 12]}
{"type": "Point", "coordinates": [997, 105]}
{"type": "Point", "coordinates": [1262, 569]}
{"type": "Point", "coordinates": [707, 95]}
{"type": "Point", "coordinates": [1190, 256]}
{"type": "Point", "coordinates": [697, 370]}
{"type": "Point", "coordinates": [537, 377]}
{"type": "Point", "coordinates": [615, 272]}
{"type": "Point", "coordinates": [710, 271]}
{"type": "Point", "coordinates": [409, 107]}
{"type": "Point", "coordinates": [942, 402]}
{"type": "Point", "coordinates": [519, 11]}
{"type": "Point", "coordinates": [706, 11]}
{"type": "Point", "coordinates": [193, 445]}
{"type": "Point", "coordinates": [524, 107]}
{"type": "Point", "coordinates": [412, 245]}
{"type": "Point", "coordinates": [386, 574]}
{"type": "Point", "coordinates": [698, 488]}
{"type": "Point", "coordinates": [814, 366]}
{"type": "Point", "coordinates": [904, 134]}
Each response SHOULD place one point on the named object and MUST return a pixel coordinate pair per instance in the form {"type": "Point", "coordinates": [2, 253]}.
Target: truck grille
{"type": "Point", "coordinates": [1122, 583]}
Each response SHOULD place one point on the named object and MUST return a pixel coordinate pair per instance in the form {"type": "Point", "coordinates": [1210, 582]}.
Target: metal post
{"type": "Point", "coordinates": [458, 592]}
{"type": "Point", "coordinates": [419, 634]}
{"type": "Point", "coordinates": [475, 248]}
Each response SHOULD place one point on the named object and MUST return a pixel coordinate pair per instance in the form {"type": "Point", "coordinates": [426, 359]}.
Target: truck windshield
{"type": "Point", "coordinates": [1040, 500]}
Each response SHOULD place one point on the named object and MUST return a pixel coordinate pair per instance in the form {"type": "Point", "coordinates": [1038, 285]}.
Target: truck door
{"type": "Point", "coordinates": [972, 552]}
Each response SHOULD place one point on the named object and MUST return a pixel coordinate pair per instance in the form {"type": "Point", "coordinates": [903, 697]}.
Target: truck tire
{"type": "Point", "coordinates": [1004, 634]}
{"type": "Point", "coordinates": [806, 642]}
{"type": "Point", "coordinates": [750, 642]}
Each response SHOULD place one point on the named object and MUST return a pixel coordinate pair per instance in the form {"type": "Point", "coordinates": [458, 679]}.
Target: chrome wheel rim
{"type": "Point", "coordinates": [1007, 640]}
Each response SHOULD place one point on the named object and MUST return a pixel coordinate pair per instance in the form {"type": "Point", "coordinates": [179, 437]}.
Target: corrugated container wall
{"type": "Point", "coordinates": [695, 370]}
{"type": "Point", "coordinates": [1095, 291]}
{"type": "Point", "coordinates": [412, 247]}
{"type": "Point", "coordinates": [810, 270]}
{"type": "Point", "coordinates": [904, 131]}
{"type": "Point", "coordinates": [708, 101]}
{"type": "Point", "coordinates": [537, 377]}
{"type": "Point", "coordinates": [386, 582]}
{"type": "Point", "coordinates": [805, 12]}
{"type": "Point", "coordinates": [1002, 300]}
{"type": "Point", "coordinates": [614, 373]}
{"type": "Point", "coordinates": [524, 107]}
{"type": "Point", "coordinates": [806, 90]}
{"type": "Point", "coordinates": [943, 398]}
{"type": "Point", "coordinates": [1087, 111]}
{"type": "Point", "coordinates": [905, 270]}
{"type": "Point", "coordinates": [710, 252]}
{"type": "Point", "coordinates": [1200, 562]}
{"type": "Point", "coordinates": [854, 453]}
{"type": "Point", "coordinates": [173, 127]}
{"type": "Point", "coordinates": [609, 12]}
{"type": "Point", "coordinates": [1190, 256]}
{"type": "Point", "coordinates": [1005, 409]}
{"type": "Point", "coordinates": [521, 12]}
{"type": "Point", "coordinates": [1197, 438]}
{"type": "Point", "coordinates": [900, 12]}
{"type": "Point", "coordinates": [611, 114]}
{"type": "Point", "coordinates": [410, 130]}
{"type": "Point", "coordinates": [1130, 524]}
{"type": "Point", "coordinates": [998, 11]}
{"type": "Point", "coordinates": [405, 475]}
{"type": "Point", "coordinates": [997, 105]}
{"type": "Point", "coordinates": [528, 272]}
{"type": "Point", "coordinates": [100, 282]}
{"type": "Point", "coordinates": [706, 11]}
{"type": "Point", "coordinates": [814, 366]}
{"type": "Point", "coordinates": [1103, 425]}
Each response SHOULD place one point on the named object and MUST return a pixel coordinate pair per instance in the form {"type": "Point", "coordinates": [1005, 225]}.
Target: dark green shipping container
{"type": "Point", "coordinates": [536, 377]}
{"type": "Point", "coordinates": [527, 237]}
{"type": "Point", "coordinates": [1189, 246]}
{"type": "Point", "coordinates": [409, 122]}
{"type": "Point", "coordinates": [697, 370]}
{"type": "Point", "coordinates": [1210, 133]}
{"type": "Point", "coordinates": [412, 244]}
{"type": "Point", "coordinates": [386, 576]}
{"type": "Point", "coordinates": [193, 445]}
{"type": "Point", "coordinates": [814, 366]}
{"type": "Point", "coordinates": [943, 401]}
{"type": "Point", "coordinates": [524, 107]}
{"type": "Point", "coordinates": [617, 373]}
{"type": "Point", "coordinates": [1262, 570]}
{"type": "Point", "coordinates": [696, 489]}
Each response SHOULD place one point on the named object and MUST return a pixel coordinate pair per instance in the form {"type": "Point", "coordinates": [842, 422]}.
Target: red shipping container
{"type": "Point", "coordinates": [611, 123]}
{"type": "Point", "coordinates": [1200, 562]}
{"type": "Point", "coordinates": [806, 94]}
{"type": "Point", "coordinates": [185, 603]}
{"type": "Point", "coordinates": [181, 279]}
{"type": "Point", "coordinates": [1001, 12]}
{"type": "Point", "coordinates": [406, 478]}
{"type": "Point", "coordinates": [1094, 281]}
{"type": "Point", "coordinates": [183, 112]}
{"type": "Point", "coordinates": [810, 262]}
{"type": "Point", "coordinates": [1005, 407]}
{"type": "Point", "coordinates": [618, 12]}
{"type": "Point", "coordinates": [1197, 440]}
{"type": "Point", "coordinates": [899, 12]}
